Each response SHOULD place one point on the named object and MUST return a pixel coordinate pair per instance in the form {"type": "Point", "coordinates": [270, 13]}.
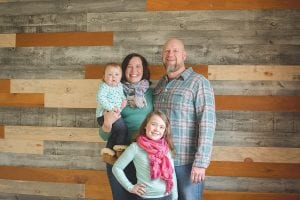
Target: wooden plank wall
{"type": "Point", "coordinates": [51, 59]}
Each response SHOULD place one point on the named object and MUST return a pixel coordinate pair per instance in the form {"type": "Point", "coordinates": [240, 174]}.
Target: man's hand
{"type": "Point", "coordinates": [197, 174]}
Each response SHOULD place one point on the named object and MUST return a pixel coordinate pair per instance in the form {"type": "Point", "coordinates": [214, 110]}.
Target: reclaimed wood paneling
{"type": "Point", "coordinates": [2, 134]}
{"type": "Point", "coordinates": [74, 6]}
{"type": "Point", "coordinates": [21, 146]}
{"type": "Point", "coordinates": [155, 5]}
{"type": "Point", "coordinates": [48, 189]}
{"type": "Point", "coordinates": [7, 40]}
{"type": "Point", "coordinates": [4, 86]}
{"type": "Point", "coordinates": [94, 71]}
{"type": "Point", "coordinates": [220, 20]}
{"type": "Point", "coordinates": [52, 133]}
{"type": "Point", "coordinates": [256, 154]}
{"type": "Point", "coordinates": [254, 169]}
{"type": "Point", "coordinates": [253, 72]}
{"type": "Point", "coordinates": [64, 39]}
{"type": "Point", "coordinates": [21, 100]}
{"type": "Point", "coordinates": [258, 103]}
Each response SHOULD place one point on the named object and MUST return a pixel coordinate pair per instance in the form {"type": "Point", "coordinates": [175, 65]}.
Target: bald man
{"type": "Point", "coordinates": [188, 100]}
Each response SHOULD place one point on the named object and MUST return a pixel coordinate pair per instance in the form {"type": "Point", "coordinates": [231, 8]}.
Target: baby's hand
{"type": "Point", "coordinates": [124, 102]}
{"type": "Point", "coordinates": [116, 110]}
{"type": "Point", "coordinates": [138, 189]}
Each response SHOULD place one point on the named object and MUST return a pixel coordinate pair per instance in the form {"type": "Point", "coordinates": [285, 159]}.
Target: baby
{"type": "Point", "coordinates": [110, 97]}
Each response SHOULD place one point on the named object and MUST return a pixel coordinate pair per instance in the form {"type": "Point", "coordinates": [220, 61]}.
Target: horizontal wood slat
{"type": "Point", "coordinates": [21, 146]}
{"type": "Point", "coordinates": [254, 169]}
{"type": "Point", "coordinates": [5, 86]}
{"type": "Point", "coordinates": [96, 182]}
{"type": "Point", "coordinates": [157, 5]}
{"type": "Point", "coordinates": [254, 72]}
{"type": "Point", "coordinates": [258, 103]}
{"type": "Point", "coordinates": [256, 154]}
{"type": "Point", "coordinates": [22, 100]}
{"type": "Point", "coordinates": [2, 132]}
{"type": "Point", "coordinates": [46, 189]}
{"type": "Point", "coordinates": [7, 40]}
{"type": "Point", "coordinates": [94, 71]}
{"type": "Point", "coordinates": [219, 72]}
{"type": "Point", "coordinates": [64, 39]}
{"type": "Point", "coordinates": [52, 133]}
{"type": "Point", "coordinates": [225, 195]}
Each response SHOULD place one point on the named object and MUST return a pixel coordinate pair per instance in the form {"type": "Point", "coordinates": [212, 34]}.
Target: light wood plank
{"type": "Point", "coordinates": [85, 100]}
{"type": "Point", "coordinates": [256, 154]}
{"type": "Point", "coordinates": [64, 39]}
{"type": "Point", "coordinates": [22, 100]}
{"type": "Point", "coordinates": [52, 133]}
{"type": "Point", "coordinates": [254, 169]}
{"type": "Point", "coordinates": [7, 40]}
{"type": "Point", "coordinates": [54, 86]}
{"type": "Point", "coordinates": [21, 146]}
{"type": "Point", "coordinates": [254, 72]}
{"type": "Point", "coordinates": [42, 188]}
{"type": "Point", "coordinates": [258, 103]}
{"type": "Point", "coordinates": [5, 86]}
{"type": "Point", "coordinates": [228, 195]}
{"type": "Point", "coordinates": [157, 5]}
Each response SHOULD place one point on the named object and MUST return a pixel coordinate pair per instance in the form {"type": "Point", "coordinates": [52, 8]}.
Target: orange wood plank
{"type": "Point", "coordinates": [258, 103]}
{"type": "Point", "coordinates": [254, 169]}
{"type": "Point", "coordinates": [168, 5]}
{"type": "Point", "coordinates": [96, 182]}
{"type": "Point", "coordinates": [226, 195]}
{"type": "Point", "coordinates": [94, 71]}
{"type": "Point", "coordinates": [4, 86]}
{"type": "Point", "coordinates": [2, 132]}
{"type": "Point", "coordinates": [64, 39]}
{"type": "Point", "coordinates": [22, 99]}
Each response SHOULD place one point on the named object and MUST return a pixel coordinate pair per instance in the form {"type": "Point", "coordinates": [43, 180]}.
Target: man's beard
{"type": "Point", "coordinates": [171, 68]}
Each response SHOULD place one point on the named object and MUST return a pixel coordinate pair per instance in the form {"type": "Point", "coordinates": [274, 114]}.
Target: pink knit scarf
{"type": "Point", "coordinates": [160, 165]}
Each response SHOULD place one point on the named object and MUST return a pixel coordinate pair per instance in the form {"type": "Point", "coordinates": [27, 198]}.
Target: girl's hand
{"type": "Point", "coordinates": [138, 189]}
{"type": "Point", "coordinates": [110, 117]}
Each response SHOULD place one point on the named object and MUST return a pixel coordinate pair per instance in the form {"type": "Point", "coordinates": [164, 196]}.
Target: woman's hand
{"type": "Point", "coordinates": [138, 189]}
{"type": "Point", "coordinates": [110, 117]}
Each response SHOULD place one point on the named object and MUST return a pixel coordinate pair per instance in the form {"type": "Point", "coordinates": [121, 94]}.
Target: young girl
{"type": "Point", "coordinates": [151, 155]}
{"type": "Point", "coordinates": [110, 97]}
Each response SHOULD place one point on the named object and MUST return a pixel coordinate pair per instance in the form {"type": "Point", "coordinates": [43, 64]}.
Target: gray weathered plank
{"type": "Point", "coordinates": [73, 22]}
{"type": "Point", "coordinates": [272, 88]}
{"type": "Point", "coordinates": [41, 72]}
{"type": "Point", "coordinates": [204, 54]}
{"type": "Point", "coordinates": [42, 188]}
{"type": "Point", "coordinates": [256, 139]}
{"type": "Point", "coordinates": [243, 184]}
{"type": "Point", "coordinates": [52, 161]}
{"type": "Point", "coordinates": [72, 148]}
{"type": "Point", "coordinates": [70, 6]}
{"type": "Point", "coordinates": [195, 20]}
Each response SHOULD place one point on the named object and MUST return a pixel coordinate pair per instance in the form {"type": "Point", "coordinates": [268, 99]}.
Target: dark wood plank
{"type": "Point", "coordinates": [156, 5]}
{"type": "Point", "coordinates": [258, 103]}
{"type": "Point", "coordinates": [2, 133]}
{"type": "Point", "coordinates": [4, 86]}
{"type": "Point", "coordinates": [22, 100]}
{"type": "Point", "coordinates": [254, 169]}
{"type": "Point", "coordinates": [64, 39]}
{"type": "Point", "coordinates": [96, 71]}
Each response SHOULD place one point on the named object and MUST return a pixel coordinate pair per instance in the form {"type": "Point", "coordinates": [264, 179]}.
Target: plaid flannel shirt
{"type": "Point", "coordinates": [189, 103]}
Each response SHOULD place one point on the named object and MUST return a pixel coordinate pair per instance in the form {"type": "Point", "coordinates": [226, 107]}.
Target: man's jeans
{"type": "Point", "coordinates": [186, 189]}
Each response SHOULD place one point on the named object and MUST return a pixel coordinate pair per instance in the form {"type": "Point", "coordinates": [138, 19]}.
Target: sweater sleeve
{"type": "Point", "coordinates": [174, 189]}
{"type": "Point", "coordinates": [120, 165]}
